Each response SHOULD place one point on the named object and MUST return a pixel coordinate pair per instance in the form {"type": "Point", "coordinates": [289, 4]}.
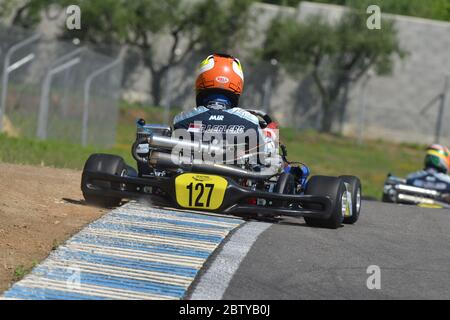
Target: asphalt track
{"type": "Point", "coordinates": [410, 245]}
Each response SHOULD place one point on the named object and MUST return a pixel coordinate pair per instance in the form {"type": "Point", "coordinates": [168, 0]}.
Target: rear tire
{"type": "Point", "coordinates": [356, 191]}
{"type": "Point", "coordinates": [102, 163]}
{"type": "Point", "coordinates": [386, 198]}
{"type": "Point", "coordinates": [333, 188]}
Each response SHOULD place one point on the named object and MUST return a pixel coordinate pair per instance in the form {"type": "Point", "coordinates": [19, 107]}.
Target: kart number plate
{"type": "Point", "coordinates": [200, 191]}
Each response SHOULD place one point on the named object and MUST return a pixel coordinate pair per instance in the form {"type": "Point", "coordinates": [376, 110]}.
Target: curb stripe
{"type": "Point", "coordinates": [110, 281]}
{"type": "Point", "coordinates": [124, 272]}
{"type": "Point", "coordinates": [132, 252]}
{"type": "Point", "coordinates": [126, 244]}
{"type": "Point", "coordinates": [150, 231]}
{"type": "Point", "coordinates": [156, 240]}
{"type": "Point", "coordinates": [179, 221]}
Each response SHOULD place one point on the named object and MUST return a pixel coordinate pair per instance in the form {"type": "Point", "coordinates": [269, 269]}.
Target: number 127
{"type": "Point", "coordinates": [201, 188]}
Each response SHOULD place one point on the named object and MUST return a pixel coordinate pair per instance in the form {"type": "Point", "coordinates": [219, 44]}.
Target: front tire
{"type": "Point", "coordinates": [331, 187]}
{"type": "Point", "coordinates": [102, 163]}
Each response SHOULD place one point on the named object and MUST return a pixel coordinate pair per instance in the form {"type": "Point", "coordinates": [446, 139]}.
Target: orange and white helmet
{"type": "Point", "coordinates": [219, 75]}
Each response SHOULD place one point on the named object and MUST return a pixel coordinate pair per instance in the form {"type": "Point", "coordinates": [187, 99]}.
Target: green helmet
{"type": "Point", "coordinates": [437, 157]}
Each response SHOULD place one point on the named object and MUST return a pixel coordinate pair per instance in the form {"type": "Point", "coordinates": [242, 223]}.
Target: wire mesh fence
{"type": "Point", "coordinates": [57, 90]}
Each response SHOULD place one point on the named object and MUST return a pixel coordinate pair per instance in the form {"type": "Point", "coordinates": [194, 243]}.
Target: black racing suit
{"type": "Point", "coordinates": [233, 120]}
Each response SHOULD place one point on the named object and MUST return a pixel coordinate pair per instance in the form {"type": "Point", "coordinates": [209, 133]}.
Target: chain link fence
{"type": "Point", "coordinates": [57, 90]}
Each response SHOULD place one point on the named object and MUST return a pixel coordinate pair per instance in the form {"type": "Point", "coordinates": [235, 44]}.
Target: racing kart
{"type": "Point", "coordinates": [240, 190]}
{"type": "Point", "coordinates": [396, 190]}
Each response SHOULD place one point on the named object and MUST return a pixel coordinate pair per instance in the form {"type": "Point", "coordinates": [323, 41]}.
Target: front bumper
{"type": "Point", "coordinates": [235, 202]}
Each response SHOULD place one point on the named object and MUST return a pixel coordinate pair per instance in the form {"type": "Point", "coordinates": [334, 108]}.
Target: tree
{"type": "Point", "coordinates": [25, 13]}
{"type": "Point", "coordinates": [205, 25]}
{"type": "Point", "coordinates": [336, 55]}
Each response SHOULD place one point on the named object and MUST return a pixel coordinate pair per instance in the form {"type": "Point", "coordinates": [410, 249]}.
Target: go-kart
{"type": "Point", "coordinates": [396, 190]}
{"type": "Point", "coordinates": [240, 190]}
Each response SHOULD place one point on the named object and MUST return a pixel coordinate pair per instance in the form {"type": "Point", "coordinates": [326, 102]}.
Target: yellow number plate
{"type": "Point", "coordinates": [200, 191]}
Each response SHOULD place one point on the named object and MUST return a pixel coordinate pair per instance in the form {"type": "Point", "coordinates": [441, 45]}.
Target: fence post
{"type": "Point", "coordinates": [169, 96]}
{"type": "Point", "coordinates": [87, 96]}
{"type": "Point", "coordinates": [267, 95]}
{"type": "Point", "coordinates": [7, 70]}
{"type": "Point", "coordinates": [54, 68]}
{"type": "Point", "coordinates": [362, 114]}
{"type": "Point", "coordinates": [41, 132]}
{"type": "Point", "coordinates": [441, 112]}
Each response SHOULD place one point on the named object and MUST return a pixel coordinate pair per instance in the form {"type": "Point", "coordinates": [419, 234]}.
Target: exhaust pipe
{"type": "Point", "coordinates": [165, 160]}
{"type": "Point", "coordinates": [168, 143]}
{"type": "Point", "coordinates": [417, 190]}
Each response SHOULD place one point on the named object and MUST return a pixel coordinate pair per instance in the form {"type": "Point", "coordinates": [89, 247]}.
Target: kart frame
{"type": "Point", "coordinates": [235, 194]}
{"type": "Point", "coordinates": [398, 191]}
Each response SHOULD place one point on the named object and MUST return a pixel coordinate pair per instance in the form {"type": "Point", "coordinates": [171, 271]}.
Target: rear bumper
{"type": "Point", "coordinates": [234, 203]}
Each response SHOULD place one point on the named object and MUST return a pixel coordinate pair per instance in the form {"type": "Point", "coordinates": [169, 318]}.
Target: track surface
{"type": "Point", "coordinates": [411, 246]}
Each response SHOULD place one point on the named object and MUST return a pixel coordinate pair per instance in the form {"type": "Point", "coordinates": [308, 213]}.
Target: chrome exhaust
{"type": "Point", "coordinates": [196, 146]}
{"type": "Point", "coordinates": [417, 190]}
{"type": "Point", "coordinates": [166, 160]}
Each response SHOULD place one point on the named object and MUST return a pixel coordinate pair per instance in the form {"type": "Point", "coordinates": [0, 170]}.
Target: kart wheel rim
{"type": "Point", "coordinates": [358, 199]}
{"type": "Point", "coordinates": [122, 185]}
{"type": "Point", "coordinates": [344, 204]}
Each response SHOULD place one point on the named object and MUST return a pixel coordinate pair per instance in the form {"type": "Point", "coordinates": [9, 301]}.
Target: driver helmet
{"type": "Point", "coordinates": [437, 157]}
{"type": "Point", "coordinates": [220, 82]}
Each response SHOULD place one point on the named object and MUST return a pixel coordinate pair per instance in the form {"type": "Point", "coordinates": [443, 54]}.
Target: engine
{"type": "Point", "coordinates": [157, 153]}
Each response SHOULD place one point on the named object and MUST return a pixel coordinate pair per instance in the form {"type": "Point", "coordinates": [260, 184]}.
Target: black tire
{"type": "Point", "coordinates": [386, 198]}
{"type": "Point", "coordinates": [355, 189]}
{"type": "Point", "coordinates": [104, 163]}
{"type": "Point", "coordinates": [333, 188]}
{"type": "Point", "coordinates": [285, 185]}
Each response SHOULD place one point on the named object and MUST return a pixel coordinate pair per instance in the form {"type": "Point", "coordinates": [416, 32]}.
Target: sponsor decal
{"type": "Point", "coordinates": [216, 117]}
{"type": "Point", "coordinates": [222, 79]}
{"type": "Point", "coordinates": [216, 128]}
{"type": "Point", "coordinates": [201, 177]}
{"type": "Point", "coordinates": [195, 127]}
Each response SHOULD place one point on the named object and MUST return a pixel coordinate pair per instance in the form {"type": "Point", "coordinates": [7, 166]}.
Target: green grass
{"type": "Point", "coordinates": [50, 153]}
{"type": "Point", "coordinates": [21, 271]}
{"type": "Point", "coordinates": [336, 155]}
{"type": "Point", "coordinates": [324, 154]}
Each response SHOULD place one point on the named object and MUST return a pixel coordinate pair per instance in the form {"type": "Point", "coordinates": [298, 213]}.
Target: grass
{"type": "Point", "coordinates": [323, 153]}
{"type": "Point", "coordinates": [336, 155]}
{"type": "Point", "coordinates": [21, 271]}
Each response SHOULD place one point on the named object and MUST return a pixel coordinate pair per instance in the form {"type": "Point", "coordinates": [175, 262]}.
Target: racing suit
{"type": "Point", "coordinates": [430, 178]}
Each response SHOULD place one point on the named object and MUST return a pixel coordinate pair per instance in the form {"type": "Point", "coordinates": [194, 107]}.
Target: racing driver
{"type": "Point", "coordinates": [219, 84]}
{"type": "Point", "coordinates": [435, 174]}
